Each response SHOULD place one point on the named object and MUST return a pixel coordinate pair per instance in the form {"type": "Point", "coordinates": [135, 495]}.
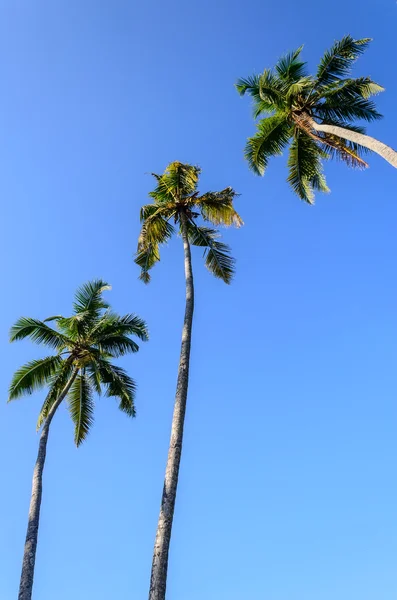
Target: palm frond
{"type": "Point", "coordinates": [155, 230]}
{"type": "Point", "coordinates": [57, 385]}
{"type": "Point", "coordinates": [94, 377]}
{"type": "Point", "coordinates": [347, 109]}
{"type": "Point", "coordinates": [117, 345]}
{"type": "Point", "coordinates": [217, 208]}
{"type": "Point", "coordinates": [38, 332]}
{"type": "Point", "coordinates": [118, 385]}
{"type": "Point", "coordinates": [349, 89]}
{"type": "Point", "coordinates": [81, 407]}
{"type": "Point", "coordinates": [146, 258]}
{"type": "Point", "coordinates": [289, 68]}
{"type": "Point", "coordinates": [305, 169]}
{"type": "Point", "coordinates": [338, 61]}
{"type": "Point", "coordinates": [88, 297]}
{"type": "Point", "coordinates": [177, 181]}
{"type": "Point", "coordinates": [270, 140]}
{"type": "Point", "coordinates": [251, 85]}
{"type": "Point", "coordinates": [272, 90]}
{"type": "Point", "coordinates": [130, 324]}
{"type": "Point", "coordinates": [33, 376]}
{"type": "Point", "coordinates": [217, 254]}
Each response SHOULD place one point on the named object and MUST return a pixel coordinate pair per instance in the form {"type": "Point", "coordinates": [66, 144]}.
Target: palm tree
{"type": "Point", "coordinates": [176, 198]}
{"type": "Point", "coordinates": [80, 366]}
{"type": "Point", "coordinates": [316, 114]}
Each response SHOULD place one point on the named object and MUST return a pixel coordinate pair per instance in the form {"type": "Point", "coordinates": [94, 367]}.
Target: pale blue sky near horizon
{"type": "Point", "coordinates": [288, 486]}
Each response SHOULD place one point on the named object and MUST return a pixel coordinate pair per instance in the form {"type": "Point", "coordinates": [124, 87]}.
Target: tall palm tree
{"type": "Point", "coordinates": [177, 198]}
{"type": "Point", "coordinates": [80, 366]}
{"type": "Point", "coordinates": [315, 113]}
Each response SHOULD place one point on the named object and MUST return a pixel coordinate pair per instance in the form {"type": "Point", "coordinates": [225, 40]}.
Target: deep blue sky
{"type": "Point", "coordinates": [288, 487]}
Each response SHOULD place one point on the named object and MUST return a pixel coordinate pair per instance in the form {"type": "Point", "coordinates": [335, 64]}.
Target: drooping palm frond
{"type": "Point", "coordinates": [118, 385]}
{"type": "Point", "coordinates": [81, 407]}
{"type": "Point", "coordinates": [38, 332]}
{"type": "Point", "coordinates": [305, 169]}
{"type": "Point", "coordinates": [217, 208]}
{"type": "Point", "coordinates": [338, 61]}
{"type": "Point", "coordinates": [217, 254]}
{"type": "Point", "coordinates": [57, 385]}
{"type": "Point", "coordinates": [271, 138]}
{"type": "Point", "coordinates": [33, 376]}
{"type": "Point", "coordinates": [146, 258]}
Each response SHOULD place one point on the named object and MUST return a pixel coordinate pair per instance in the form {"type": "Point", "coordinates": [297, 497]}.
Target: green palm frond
{"type": "Point", "coordinates": [338, 61]}
{"type": "Point", "coordinates": [33, 376]}
{"type": "Point", "coordinates": [178, 180]}
{"type": "Point", "coordinates": [38, 332]}
{"type": "Point", "coordinates": [289, 68]}
{"type": "Point", "coordinates": [299, 87]}
{"type": "Point", "coordinates": [156, 230]}
{"type": "Point", "coordinates": [146, 258]}
{"type": "Point", "coordinates": [88, 297]}
{"type": "Point", "coordinates": [57, 385]}
{"type": "Point", "coordinates": [94, 377]}
{"type": "Point", "coordinates": [348, 89]}
{"type": "Point", "coordinates": [81, 407]}
{"type": "Point", "coordinates": [347, 109]}
{"type": "Point", "coordinates": [118, 385]}
{"type": "Point", "coordinates": [272, 90]}
{"type": "Point", "coordinates": [117, 345]}
{"type": "Point", "coordinates": [217, 208]}
{"type": "Point", "coordinates": [129, 324]}
{"type": "Point", "coordinates": [271, 138]}
{"type": "Point", "coordinates": [251, 85]}
{"type": "Point", "coordinates": [305, 169]}
{"type": "Point", "coordinates": [217, 254]}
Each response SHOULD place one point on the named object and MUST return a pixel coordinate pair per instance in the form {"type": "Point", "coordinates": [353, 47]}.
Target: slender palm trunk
{"type": "Point", "coordinates": [359, 138]}
{"type": "Point", "coordinates": [29, 555]}
{"type": "Point", "coordinates": [158, 580]}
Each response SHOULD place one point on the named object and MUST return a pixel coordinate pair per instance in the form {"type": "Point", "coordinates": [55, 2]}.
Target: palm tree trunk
{"type": "Point", "coordinates": [359, 138]}
{"type": "Point", "coordinates": [158, 580]}
{"type": "Point", "coordinates": [29, 555]}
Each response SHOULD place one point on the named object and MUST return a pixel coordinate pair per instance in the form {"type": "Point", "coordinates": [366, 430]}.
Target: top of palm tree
{"type": "Point", "coordinates": [176, 198]}
{"type": "Point", "coordinates": [289, 102]}
{"type": "Point", "coordinates": [84, 345]}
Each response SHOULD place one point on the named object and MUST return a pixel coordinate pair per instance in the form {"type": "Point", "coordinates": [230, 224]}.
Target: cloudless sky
{"type": "Point", "coordinates": [288, 486]}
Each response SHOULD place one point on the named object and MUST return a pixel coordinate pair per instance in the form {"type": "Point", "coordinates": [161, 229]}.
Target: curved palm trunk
{"type": "Point", "coordinates": [29, 555]}
{"type": "Point", "coordinates": [360, 138]}
{"type": "Point", "coordinates": [158, 580]}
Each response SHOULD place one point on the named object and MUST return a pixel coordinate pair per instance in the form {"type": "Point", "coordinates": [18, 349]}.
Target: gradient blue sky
{"type": "Point", "coordinates": [288, 486]}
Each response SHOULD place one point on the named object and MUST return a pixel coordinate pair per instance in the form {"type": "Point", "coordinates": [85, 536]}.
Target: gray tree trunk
{"type": "Point", "coordinates": [359, 138]}
{"type": "Point", "coordinates": [158, 580]}
{"type": "Point", "coordinates": [29, 555]}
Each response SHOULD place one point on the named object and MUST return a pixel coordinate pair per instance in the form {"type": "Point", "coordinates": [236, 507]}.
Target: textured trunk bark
{"type": "Point", "coordinates": [29, 555]}
{"type": "Point", "coordinates": [359, 138]}
{"type": "Point", "coordinates": [158, 580]}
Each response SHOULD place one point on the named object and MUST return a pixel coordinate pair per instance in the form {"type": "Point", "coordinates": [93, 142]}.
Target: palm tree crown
{"type": "Point", "coordinates": [84, 345]}
{"type": "Point", "coordinates": [297, 105]}
{"type": "Point", "coordinates": [176, 198]}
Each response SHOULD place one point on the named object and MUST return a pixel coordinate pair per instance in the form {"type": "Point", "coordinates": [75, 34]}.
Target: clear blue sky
{"type": "Point", "coordinates": [288, 487]}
